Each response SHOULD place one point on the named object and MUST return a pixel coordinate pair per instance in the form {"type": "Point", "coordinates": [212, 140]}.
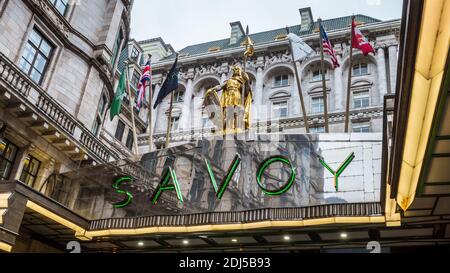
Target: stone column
{"type": "Point", "coordinates": [382, 78]}
{"type": "Point", "coordinates": [393, 59]}
{"type": "Point", "coordinates": [340, 93]}
{"type": "Point", "coordinates": [185, 120]}
{"type": "Point", "coordinates": [258, 93]}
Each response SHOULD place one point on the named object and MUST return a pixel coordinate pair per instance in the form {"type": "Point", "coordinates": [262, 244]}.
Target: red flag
{"type": "Point", "coordinates": [360, 42]}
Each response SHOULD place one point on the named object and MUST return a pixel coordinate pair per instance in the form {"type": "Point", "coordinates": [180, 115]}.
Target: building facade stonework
{"type": "Point", "coordinates": [59, 68]}
{"type": "Point", "coordinates": [276, 102]}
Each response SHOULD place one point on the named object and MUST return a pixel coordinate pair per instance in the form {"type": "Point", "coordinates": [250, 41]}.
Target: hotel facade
{"type": "Point", "coordinates": [70, 179]}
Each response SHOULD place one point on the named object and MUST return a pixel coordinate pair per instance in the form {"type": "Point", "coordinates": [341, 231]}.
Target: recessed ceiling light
{"type": "Point", "coordinates": [140, 243]}
{"type": "Point", "coordinates": [344, 235]}
{"type": "Point", "coordinates": [287, 238]}
{"type": "Point", "coordinates": [234, 240]}
{"type": "Point", "coordinates": [185, 242]}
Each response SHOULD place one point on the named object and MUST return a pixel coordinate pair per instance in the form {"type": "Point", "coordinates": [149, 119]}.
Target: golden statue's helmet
{"type": "Point", "coordinates": [237, 70]}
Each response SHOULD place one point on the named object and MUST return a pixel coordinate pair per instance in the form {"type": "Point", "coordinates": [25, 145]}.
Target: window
{"type": "Point", "coordinates": [178, 96]}
{"type": "Point", "coordinates": [8, 153]}
{"type": "Point", "coordinates": [96, 127]}
{"type": "Point", "coordinates": [361, 128]}
{"type": "Point", "coordinates": [206, 122]}
{"type": "Point", "coordinates": [175, 123]}
{"type": "Point", "coordinates": [361, 99]}
{"type": "Point", "coordinates": [120, 130]}
{"type": "Point", "coordinates": [130, 140]}
{"type": "Point", "coordinates": [100, 114]}
{"type": "Point", "coordinates": [135, 79]}
{"type": "Point", "coordinates": [360, 69]}
{"type": "Point", "coordinates": [116, 49]}
{"type": "Point", "coordinates": [282, 80]}
{"type": "Point", "coordinates": [317, 106]}
{"type": "Point", "coordinates": [317, 130]}
{"type": "Point", "coordinates": [134, 54]}
{"type": "Point", "coordinates": [36, 56]}
{"type": "Point", "coordinates": [60, 5]}
{"type": "Point", "coordinates": [317, 75]}
{"type": "Point", "coordinates": [280, 109]}
{"type": "Point", "coordinates": [102, 104]}
{"type": "Point", "coordinates": [30, 170]}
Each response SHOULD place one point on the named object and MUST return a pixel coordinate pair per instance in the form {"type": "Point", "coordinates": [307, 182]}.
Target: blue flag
{"type": "Point", "coordinates": [169, 85]}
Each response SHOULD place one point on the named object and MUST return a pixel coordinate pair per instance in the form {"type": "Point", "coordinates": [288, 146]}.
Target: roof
{"type": "Point", "coordinates": [268, 36]}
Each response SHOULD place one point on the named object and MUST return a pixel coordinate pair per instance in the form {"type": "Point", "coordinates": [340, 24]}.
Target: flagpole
{"type": "Point", "coordinates": [169, 121]}
{"type": "Point", "coordinates": [324, 84]}
{"type": "Point", "coordinates": [349, 85]}
{"type": "Point", "coordinates": [299, 85]}
{"type": "Point", "coordinates": [150, 107]}
{"type": "Point", "coordinates": [136, 151]}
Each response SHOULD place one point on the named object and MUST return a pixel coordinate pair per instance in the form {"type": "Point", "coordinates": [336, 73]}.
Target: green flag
{"type": "Point", "coordinates": [118, 97]}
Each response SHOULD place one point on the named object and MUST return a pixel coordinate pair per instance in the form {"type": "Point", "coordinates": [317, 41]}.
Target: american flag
{"type": "Point", "coordinates": [146, 77]}
{"type": "Point", "coordinates": [328, 47]}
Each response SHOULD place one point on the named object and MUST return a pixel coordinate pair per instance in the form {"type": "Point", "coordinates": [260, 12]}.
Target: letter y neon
{"type": "Point", "coordinates": [339, 171]}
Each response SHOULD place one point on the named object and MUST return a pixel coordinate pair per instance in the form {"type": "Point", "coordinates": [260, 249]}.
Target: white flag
{"type": "Point", "coordinates": [301, 50]}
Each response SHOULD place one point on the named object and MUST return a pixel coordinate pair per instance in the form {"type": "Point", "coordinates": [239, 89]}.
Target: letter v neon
{"type": "Point", "coordinates": [340, 170]}
{"type": "Point", "coordinates": [231, 171]}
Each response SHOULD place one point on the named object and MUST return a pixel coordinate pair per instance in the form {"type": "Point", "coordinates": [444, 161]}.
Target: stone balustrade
{"type": "Point", "coordinates": [39, 102]}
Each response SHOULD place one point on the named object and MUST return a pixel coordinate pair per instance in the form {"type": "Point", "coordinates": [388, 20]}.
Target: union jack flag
{"type": "Point", "coordinates": [146, 77]}
{"type": "Point", "coordinates": [328, 47]}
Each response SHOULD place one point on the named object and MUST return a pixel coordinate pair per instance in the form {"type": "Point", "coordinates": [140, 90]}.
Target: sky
{"type": "Point", "coordinates": [187, 22]}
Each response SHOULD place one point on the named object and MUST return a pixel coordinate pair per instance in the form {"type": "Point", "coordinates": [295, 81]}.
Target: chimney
{"type": "Point", "coordinates": [237, 32]}
{"type": "Point", "coordinates": [306, 19]}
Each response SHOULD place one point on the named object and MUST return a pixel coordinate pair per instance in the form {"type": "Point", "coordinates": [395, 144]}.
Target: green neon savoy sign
{"type": "Point", "coordinates": [169, 181]}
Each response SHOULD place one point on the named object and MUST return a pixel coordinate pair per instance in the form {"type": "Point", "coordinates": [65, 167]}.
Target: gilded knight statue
{"type": "Point", "coordinates": [235, 110]}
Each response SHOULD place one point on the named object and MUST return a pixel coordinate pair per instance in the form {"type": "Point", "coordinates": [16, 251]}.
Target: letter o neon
{"type": "Point", "coordinates": [263, 168]}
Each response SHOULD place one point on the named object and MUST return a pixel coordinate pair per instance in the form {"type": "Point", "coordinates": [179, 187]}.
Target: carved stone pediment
{"type": "Point", "coordinates": [44, 7]}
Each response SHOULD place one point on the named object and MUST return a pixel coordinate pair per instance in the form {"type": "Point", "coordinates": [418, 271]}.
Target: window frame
{"type": "Point", "coordinates": [120, 122]}
{"type": "Point", "coordinates": [177, 98]}
{"type": "Point", "coordinates": [117, 48]}
{"type": "Point", "coordinates": [315, 130]}
{"type": "Point", "coordinates": [66, 6]}
{"type": "Point", "coordinates": [283, 82]}
{"type": "Point", "coordinates": [173, 121]}
{"type": "Point", "coordinates": [130, 140]}
{"type": "Point", "coordinates": [319, 76]}
{"type": "Point", "coordinates": [357, 96]}
{"type": "Point", "coordinates": [275, 108]}
{"type": "Point", "coordinates": [360, 65]}
{"type": "Point", "coordinates": [312, 105]}
{"type": "Point", "coordinates": [37, 52]}
{"type": "Point", "coordinates": [9, 162]}
{"type": "Point", "coordinates": [27, 173]}
{"type": "Point", "coordinates": [361, 126]}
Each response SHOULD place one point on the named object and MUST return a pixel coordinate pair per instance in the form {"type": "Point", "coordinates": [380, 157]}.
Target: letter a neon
{"type": "Point", "coordinates": [340, 170]}
{"type": "Point", "coordinates": [231, 171]}
{"type": "Point", "coordinates": [164, 186]}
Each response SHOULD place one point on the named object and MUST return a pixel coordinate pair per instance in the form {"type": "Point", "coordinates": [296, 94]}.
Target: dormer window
{"type": "Point", "coordinates": [281, 80]}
